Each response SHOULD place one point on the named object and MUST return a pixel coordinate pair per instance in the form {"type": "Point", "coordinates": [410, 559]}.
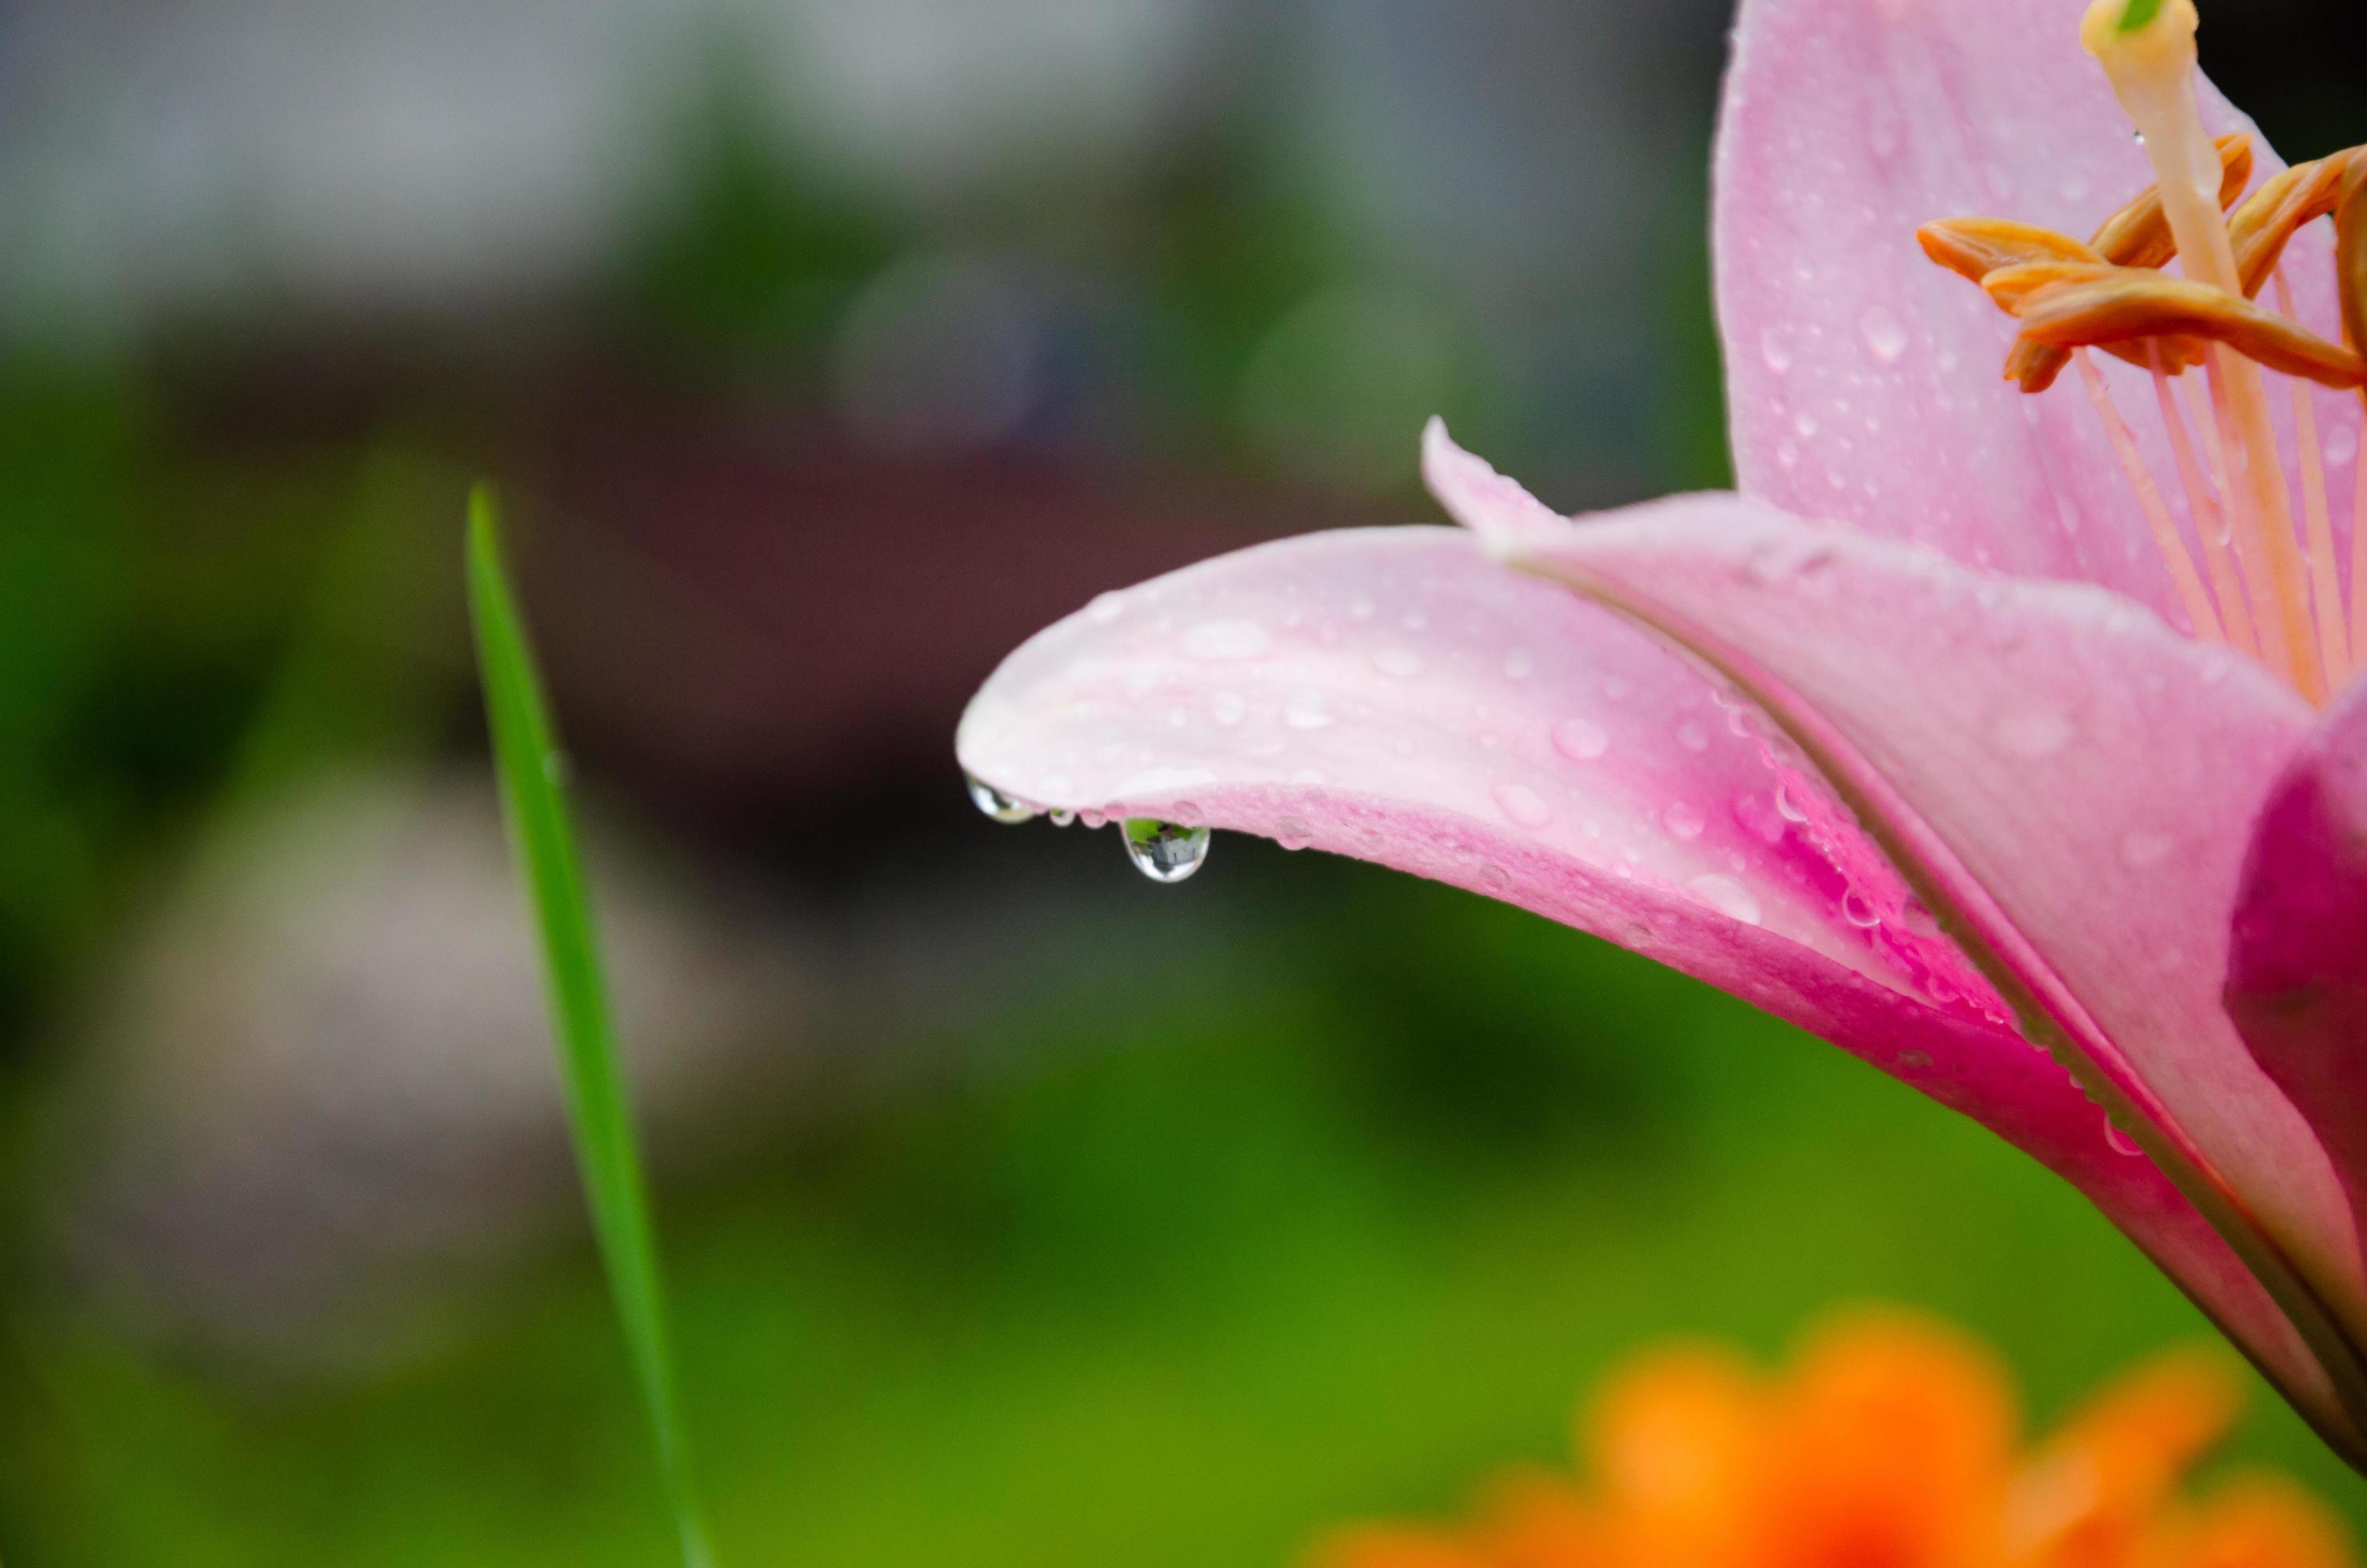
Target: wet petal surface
{"type": "Point", "coordinates": [1863, 381]}
{"type": "Point", "coordinates": [1397, 696]}
{"type": "Point", "coordinates": [2070, 781]}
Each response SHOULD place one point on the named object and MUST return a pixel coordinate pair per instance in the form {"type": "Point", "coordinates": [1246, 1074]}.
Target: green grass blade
{"type": "Point", "coordinates": [528, 761]}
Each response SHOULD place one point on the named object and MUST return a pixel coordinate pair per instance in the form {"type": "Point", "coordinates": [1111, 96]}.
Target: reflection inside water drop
{"type": "Point", "coordinates": [1165, 851]}
{"type": "Point", "coordinates": [994, 804]}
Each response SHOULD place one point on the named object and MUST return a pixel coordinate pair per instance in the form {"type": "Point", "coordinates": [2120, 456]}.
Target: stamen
{"type": "Point", "coordinates": [2136, 235]}
{"type": "Point", "coordinates": [2139, 235]}
{"type": "Point", "coordinates": [2165, 531]}
{"type": "Point", "coordinates": [2350, 253]}
{"type": "Point", "coordinates": [2210, 523]}
{"type": "Point", "coordinates": [2152, 67]}
{"type": "Point", "coordinates": [2223, 535]}
{"type": "Point", "coordinates": [2351, 288]}
{"type": "Point", "coordinates": [2253, 494]}
{"type": "Point", "coordinates": [2324, 585]}
{"type": "Point", "coordinates": [2074, 305]}
{"type": "Point", "coordinates": [2012, 286]}
{"type": "Point", "coordinates": [1975, 247]}
{"type": "Point", "coordinates": [2359, 565]}
{"type": "Point", "coordinates": [2212, 519]}
{"type": "Point", "coordinates": [2262, 227]}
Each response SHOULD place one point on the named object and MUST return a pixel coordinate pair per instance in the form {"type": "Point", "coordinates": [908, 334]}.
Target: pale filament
{"type": "Point", "coordinates": [2325, 585]}
{"type": "Point", "coordinates": [2359, 563]}
{"type": "Point", "coordinates": [2190, 592]}
{"type": "Point", "coordinates": [2208, 525]}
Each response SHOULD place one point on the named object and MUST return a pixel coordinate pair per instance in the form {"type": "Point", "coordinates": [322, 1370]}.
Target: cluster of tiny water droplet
{"type": "Point", "coordinates": [1166, 852]}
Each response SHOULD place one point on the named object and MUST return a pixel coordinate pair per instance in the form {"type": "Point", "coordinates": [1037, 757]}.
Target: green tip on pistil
{"type": "Point", "coordinates": [2140, 14]}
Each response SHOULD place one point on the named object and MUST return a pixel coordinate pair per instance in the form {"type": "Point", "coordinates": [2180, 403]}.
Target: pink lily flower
{"type": "Point", "coordinates": [2004, 737]}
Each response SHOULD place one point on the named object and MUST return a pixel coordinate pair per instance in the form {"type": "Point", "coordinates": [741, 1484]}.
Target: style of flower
{"type": "Point", "coordinates": [1888, 1442]}
{"type": "Point", "coordinates": [1935, 740]}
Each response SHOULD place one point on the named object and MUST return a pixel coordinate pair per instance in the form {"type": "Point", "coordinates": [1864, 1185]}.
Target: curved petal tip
{"type": "Point", "coordinates": [1508, 520]}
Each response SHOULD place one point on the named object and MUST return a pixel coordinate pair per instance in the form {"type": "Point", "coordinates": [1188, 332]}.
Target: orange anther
{"type": "Point", "coordinates": [2139, 235]}
{"type": "Point", "coordinates": [2262, 226]}
{"type": "Point", "coordinates": [2350, 252]}
{"type": "Point", "coordinates": [2012, 286]}
{"type": "Point", "coordinates": [1975, 247]}
{"type": "Point", "coordinates": [2133, 303]}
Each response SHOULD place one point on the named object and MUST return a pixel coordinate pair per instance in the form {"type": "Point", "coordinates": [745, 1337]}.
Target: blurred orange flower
{"type": "Point", "coordinates": [1890, 1442]}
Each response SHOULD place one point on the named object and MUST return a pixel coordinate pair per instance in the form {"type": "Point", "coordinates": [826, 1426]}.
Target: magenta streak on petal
{"type": "Point", "coordinates": [2068, 778]}
{"type": "Point", "coordinates": [1863, 381]}
{"type": "Point", "coordinates": [2297, 968]}
{"type": "Point", "coordinates": [1849, 870]}
{"type": "Point", "coordinates": [1390, 694]}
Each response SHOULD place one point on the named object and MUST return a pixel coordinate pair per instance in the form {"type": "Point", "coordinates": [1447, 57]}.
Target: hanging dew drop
{"type": "Point", "coordinates": [1166, 852]}
{"type": "Point", "coordinates": [996, 805]}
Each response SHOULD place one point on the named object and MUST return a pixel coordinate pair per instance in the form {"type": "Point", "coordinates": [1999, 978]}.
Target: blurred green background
{"type": "Point", "coordinates": [1017, 1211]}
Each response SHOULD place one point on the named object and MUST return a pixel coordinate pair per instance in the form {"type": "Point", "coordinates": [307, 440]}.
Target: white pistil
{"type": "Point", "coordinates": [2152, 69]}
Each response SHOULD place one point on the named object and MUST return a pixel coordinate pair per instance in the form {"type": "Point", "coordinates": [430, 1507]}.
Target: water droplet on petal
{"type": "Point", "coordinates": [1228, 708]}
{"type": "Point", "coordinates": [1165, 851]}
{"type": "Point", "coordinates": [1227, 640]}
{"type": "Point", "coordinates": [1859, 910]}
{"type": "Point", "coordinates": [995, 804]}
{"type": "Point", "coordinates": [1915, 1060]}
{"type": "Point", "coordinates": [1885, 338]}
{"type": "Point", "coordinates": [1523, 804]}
{"type": "Point", "coordinates": [1305, 710]}
{"type": "Point", "coordinates": [1776, 349]}
{"type": "Point", "coordinates": [1064, 818]}
{"type": "Point", "coordinates": [1692, 737]}
{"type": "Point", "coordinates": [1683, 821]}
{"type": "Point", "coordinates": [1726, 896]}
{"type": "Point", "coordinates": [1788, 806]}
{"type": "Point", "coordinates": [2118, 1137]}
{"type": "Point", "coordinates": [1293, 832]}
{"type": "Point", "coordinates": [1579, 739]}
{"type": "Point", "coordinates": [2035, 733]}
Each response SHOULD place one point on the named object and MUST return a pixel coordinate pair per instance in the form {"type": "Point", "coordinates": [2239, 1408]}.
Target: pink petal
{"type": "Point", "coordinates": [2069, 778]}
{"type": "Point", "coordinates": [2297, 972]}
{"type": "Point", "coordinates": [1863, 381]}
{"type": "Point", "coordinates": [1396, 696]}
